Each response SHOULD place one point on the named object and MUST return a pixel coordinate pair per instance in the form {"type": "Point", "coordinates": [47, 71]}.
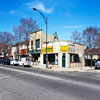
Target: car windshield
{"type": "Point", "coordinates": [99, 59]}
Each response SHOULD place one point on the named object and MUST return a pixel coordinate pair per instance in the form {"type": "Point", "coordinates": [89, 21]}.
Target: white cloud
{"type": "Point", "coordinates": [80, 26]}
{"type": "Point", "coordinates": [12, 11]}
{"type": "Point", "coordinates": [40, 6]}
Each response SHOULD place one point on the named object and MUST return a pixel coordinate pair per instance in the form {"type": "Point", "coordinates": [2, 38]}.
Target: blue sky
{"type": "Point", "coordinates": [64, 16]}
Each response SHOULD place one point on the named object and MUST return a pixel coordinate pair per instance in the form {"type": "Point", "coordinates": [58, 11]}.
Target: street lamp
{"type": "Point", "coordinates": [45, 20]}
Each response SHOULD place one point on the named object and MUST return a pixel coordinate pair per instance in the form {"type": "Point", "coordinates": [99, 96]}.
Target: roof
{"type": "Point", "coordinates": [70, 42]}
{"type": "Point", "coordinates": [92, 51]}
{"type": "Point", "coordinates": [4, 44]}
{"type": "Point", "coordinates": [36, 31]}
{"type": "Point", "coordinates": [20, 43]}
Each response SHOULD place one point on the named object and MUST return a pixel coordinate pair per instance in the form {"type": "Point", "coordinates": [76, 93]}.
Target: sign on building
{"type": "Point", "coordinates": [49, 49]}
{"type": "Point", "coordinates": [63, 48]}
{"type": "Point", "coordinates": [71, 48]}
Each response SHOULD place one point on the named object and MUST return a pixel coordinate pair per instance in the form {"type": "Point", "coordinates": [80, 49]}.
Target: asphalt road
{"type": "Point", "coordinates": [18, 83]}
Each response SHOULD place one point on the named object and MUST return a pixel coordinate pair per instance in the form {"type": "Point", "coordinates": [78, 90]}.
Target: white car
{"type": "Point", "coordinates": [24, 62]}
{"type": "Point", "coordinates": [14, 62]}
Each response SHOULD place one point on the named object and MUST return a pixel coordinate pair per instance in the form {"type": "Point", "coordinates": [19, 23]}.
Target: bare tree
{"type": "Point", "coordinates": [76, 37]}
{"type": "Point", "coordinates": [28, 25]}
{"type": "Point", "coordinates": [22, 32]}
{"type": "Point", "coordinates": [6, 39]}
{"type": "Point", "coordinates": [19, 36]}
{"type": "Point", "coordinates": [1, 37]}
{"type": "Point", "coordinates": [90, 36]}
{"type": "Point", "coordinates": [97, 41]}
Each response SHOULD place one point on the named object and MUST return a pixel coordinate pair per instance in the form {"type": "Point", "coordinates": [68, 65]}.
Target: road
{"type": "Point", "coordinates": [18, 83]}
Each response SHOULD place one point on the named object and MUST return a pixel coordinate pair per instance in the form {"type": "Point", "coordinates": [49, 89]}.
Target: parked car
{"type": "Point", "coordinates": [1, 61]}
{"type": "Point", "coordinates": [14, 62]}
{"type": "Point", "coordinates": [24, 62]}
{"type": "Point", "coordinates": [97, 65]}
{"type": "Point", "coordinates": [6, 62]}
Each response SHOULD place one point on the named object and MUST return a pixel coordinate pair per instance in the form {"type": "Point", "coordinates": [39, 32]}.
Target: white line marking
{"type": "Point", "coordinates": [20, 74]}
{"type": "Point", "coordinates": [5, 77]}
{"type": "Point", "coordinates": [2, 75]}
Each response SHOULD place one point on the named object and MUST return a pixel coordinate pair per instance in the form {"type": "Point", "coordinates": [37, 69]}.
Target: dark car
{"type": "Point", "coordinates": [6, 62]}
{"type": "Point", "coordinates": [1, 61]}
{"type": "Point", "coordinates": [97, 65]}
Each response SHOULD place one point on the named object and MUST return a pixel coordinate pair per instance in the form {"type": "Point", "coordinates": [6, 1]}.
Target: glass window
{"type": "Point", "coordinates": [38, 43]}
{"type": "Point", "coordinates": [52, 59]}
{"type": "Point", "coordinates": [74, 58]}
{"type": "Point", "coordinates": [31, 44]}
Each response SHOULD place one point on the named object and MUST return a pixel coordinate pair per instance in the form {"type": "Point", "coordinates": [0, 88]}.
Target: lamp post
{"type": "Point", "coordinates": [45, 20]}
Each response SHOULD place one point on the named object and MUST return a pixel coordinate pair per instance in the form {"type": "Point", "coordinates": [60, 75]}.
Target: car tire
{"type": "Point", "coordinates": [23, 65]}
{"type": "Point", "coordinates": [96, 68]}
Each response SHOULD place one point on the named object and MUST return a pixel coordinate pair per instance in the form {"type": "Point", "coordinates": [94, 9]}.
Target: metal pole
{"type": "Point", "coordinates": [91, 60]}
{"type": "Point", "coordinates": [46, 46]}
{"type": "Point", "coordinates": [45, 20]}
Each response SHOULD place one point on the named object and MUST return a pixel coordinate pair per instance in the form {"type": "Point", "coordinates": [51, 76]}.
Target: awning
{"type": "Point", "coordinates": [35, 52]}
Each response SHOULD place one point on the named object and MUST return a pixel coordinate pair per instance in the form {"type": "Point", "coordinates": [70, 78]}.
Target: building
{"type": "Point", "coordinates": [37, 38]}
{"type": "Point", "coordinates": [63, 54]}
{"type": "Point", "coordinates": [91, 56]}
{"type": "Point", "coordinates": [5, 50]}
{"type": "Point", "coordinates": [19, 50]}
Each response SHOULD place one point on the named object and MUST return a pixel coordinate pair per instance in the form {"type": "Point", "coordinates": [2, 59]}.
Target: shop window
{"type": "Point", "coordinates": [38, 43]}
{"type": "Point", "coordinates": [74, 58]}
{"type": "Point", "coordinates": [52, 59]}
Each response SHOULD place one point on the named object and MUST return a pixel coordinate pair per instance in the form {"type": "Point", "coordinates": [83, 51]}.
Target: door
{"type": "Point", "coordinates": [63, 60]}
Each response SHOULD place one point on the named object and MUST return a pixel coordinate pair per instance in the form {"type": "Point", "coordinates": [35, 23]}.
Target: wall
{"type": "Point", "coordinates": [38, 35]}
{"type": "Point", "coordinates": [77, 49]}
{"type": "Point", "coordinates": [22, 46]}
{"type": "Point", "coordinates": [34, 36]}
{"type": "Point", "coordinates": [14, 51]}
{"type": "Point", "coordinates": [23, 52]}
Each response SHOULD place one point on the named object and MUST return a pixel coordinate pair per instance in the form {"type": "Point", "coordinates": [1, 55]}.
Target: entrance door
{"type": "Point", "coordinates": [63, 60]}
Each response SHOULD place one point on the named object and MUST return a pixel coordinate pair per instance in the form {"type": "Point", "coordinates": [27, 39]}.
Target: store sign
{"type": "Point", "coordinates": [71, 48]}
{"type": "Point", "coordinates": [49, 49]}
{"type": "Point", "coordinates": [64, 48]}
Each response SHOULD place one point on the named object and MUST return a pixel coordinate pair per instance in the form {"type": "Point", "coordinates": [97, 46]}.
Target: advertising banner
{"type": "Point", "coordinates": [63, 48]}
{"type": "Point", "coordinates": [49, 49]}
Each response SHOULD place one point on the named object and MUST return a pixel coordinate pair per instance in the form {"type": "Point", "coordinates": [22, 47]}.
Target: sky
{"type": "Point", "coordinates": [64, 16]}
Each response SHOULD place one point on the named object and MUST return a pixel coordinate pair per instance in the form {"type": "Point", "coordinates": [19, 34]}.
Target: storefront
{"type": "Point", "coordinates": [52, 59]}
{"type": "Point", "coordinates": [35, 55]}
{"type": "Point", "coordinates": [63, 54]}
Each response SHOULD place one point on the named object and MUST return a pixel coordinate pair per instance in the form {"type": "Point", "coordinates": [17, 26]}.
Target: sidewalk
{"type": "Point", "coordinates": [74, 69]}
{"type": "Point", "coordinates": [80, 69]}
